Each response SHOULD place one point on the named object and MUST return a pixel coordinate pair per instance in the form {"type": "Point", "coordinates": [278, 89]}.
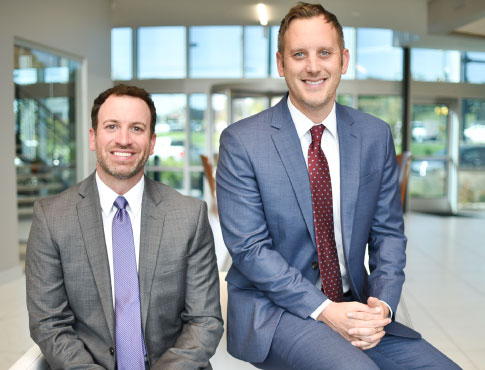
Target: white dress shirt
{"type": "Point", "coordinates": [330, 147]}
{"type": "Point", "coordinates": [134, 198]}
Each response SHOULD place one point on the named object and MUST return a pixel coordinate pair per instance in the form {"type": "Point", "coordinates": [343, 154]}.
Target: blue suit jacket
{"type": "Point", "coordinates": [265, 209]}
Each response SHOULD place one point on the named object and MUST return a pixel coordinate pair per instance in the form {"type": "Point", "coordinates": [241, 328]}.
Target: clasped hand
{"type": "Point", "coordinates": [361, 324]}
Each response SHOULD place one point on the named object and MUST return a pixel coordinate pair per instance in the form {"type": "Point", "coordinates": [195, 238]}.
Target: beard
{"type": "Point", "coordinates": [122, 172]}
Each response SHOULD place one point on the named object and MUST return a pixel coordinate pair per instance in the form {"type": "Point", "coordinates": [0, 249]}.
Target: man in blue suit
{"type": "Point", "coordinates": [281, 313]}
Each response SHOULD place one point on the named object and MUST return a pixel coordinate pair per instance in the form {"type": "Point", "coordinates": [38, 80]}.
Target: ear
{"type": "Point", "coordinates": [152, 143]}
{"type": "Point", "coordinates": [345, 60]}
{"type": "Point", "coordinates": [92, 139]}
{"type": "Point", "coordinates": [280, 63]}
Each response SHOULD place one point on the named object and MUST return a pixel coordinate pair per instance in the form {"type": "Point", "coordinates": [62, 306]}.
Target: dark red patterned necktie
{"type": "Point", "coordinates": [321, 185]}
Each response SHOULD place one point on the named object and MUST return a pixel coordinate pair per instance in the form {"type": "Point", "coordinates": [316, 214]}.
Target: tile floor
{"type": "Point", "coordinates": [444, 291]}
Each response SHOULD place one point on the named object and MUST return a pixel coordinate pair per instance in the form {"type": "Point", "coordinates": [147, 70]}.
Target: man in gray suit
{"type": "Point", "coordinates": [302, 188]}
{"type": "Point", "coordinates": [121, 270]}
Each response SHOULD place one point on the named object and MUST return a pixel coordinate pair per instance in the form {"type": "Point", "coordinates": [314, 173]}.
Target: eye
{"type": "Point", "coordinates": [324, 53]}
{"type": "Point", "coordinates": [137, 128]}
{"type": "Point", "coordinates": [299, 54]}
{"type": "Point", "coordinates": [111, 127]}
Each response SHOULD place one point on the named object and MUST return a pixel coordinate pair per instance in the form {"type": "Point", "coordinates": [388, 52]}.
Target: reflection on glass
{"type": "Point", "coordinates": [220, 114]}
{"type": "Point", "coordinates": [389, 109]}
{"type": "Point", "coordinates": [45, 125]}
{"type": "Point", "coordinates": [471, 192]}
{"type": "Point", "coordinates": [429, 130]}
{"type": "Point", "coordinates": [121, 54]}
{"type": "Point", "coordinates": [427, 179]}
{"type": "Point", "coordinates": [161, 52]}
{"type": "Point", "coordinates": [474, 71]}
{"type": "Point", "coordinates": [435, 65]}
{"type": "Point", "coordinates": [247, 106]}
{"type": "Point", "coordinates": [255, 51]}
{"type": "Point", "coordinates": [197, 108]}
{"type": "Point", "coordinates": [376, 57]}
{"type": "Point", "coordinates": [170, 130]}
{"type": "Point", "coordinates": [349, 38]}
{"type": "Point", "coordinates": [215, 51]}
{"type": "Point", "coordinates": [197, 185]}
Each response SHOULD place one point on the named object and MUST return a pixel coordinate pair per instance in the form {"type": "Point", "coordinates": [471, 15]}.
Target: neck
{"type": "Point", "coordinates": [120, 186]}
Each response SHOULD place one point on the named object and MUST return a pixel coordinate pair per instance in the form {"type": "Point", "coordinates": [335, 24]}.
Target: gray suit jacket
{"type": "Point", "coordinates": [69, 296]}
{"type": "Point", "coordinates": [265, 208]}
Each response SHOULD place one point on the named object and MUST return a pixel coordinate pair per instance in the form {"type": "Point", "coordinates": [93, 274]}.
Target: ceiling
{"type": "Point", "coordinates": [461, 21]}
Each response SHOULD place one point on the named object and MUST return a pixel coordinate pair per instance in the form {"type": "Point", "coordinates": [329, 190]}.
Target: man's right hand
{"type": "Point", "coordinates": [370, 330]}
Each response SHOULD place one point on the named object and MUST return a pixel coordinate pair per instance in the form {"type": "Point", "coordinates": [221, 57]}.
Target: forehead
{"type": "Point", "coordinates": [311, 31]}
{"type": "Point", "coordinates": [128, 107]}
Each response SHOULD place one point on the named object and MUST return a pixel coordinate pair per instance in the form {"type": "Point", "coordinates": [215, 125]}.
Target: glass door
{"type": "Point", "coordinates": [433, 169]}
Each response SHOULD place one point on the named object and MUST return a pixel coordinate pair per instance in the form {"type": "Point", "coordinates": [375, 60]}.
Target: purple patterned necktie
{"type": "Point", "coordinates": [129, 339]}
{"type": "Point", "coordinates": [321, 186]}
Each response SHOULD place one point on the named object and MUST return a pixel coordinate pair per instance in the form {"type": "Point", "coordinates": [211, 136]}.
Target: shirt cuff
{"type": "Point", "coordinates": [320, 309]}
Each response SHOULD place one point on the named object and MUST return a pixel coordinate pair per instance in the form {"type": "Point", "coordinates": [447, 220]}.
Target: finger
{"type": "Point", "coordinates": [372, 338]}
{"type": "Point", "coordinates": [374, 323]}
{"type": "Point", "coordinates": [363, 345]}
{"type": "Point", "coordinates": [365, 316]}
{"type": "Point", "coordinates": [361, 332]}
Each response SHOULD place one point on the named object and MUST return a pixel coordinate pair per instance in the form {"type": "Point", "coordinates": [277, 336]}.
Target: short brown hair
{"type": "Point", "coordinates": [303, 10]}
{"type": "Point", "coordinates": [120, 90]}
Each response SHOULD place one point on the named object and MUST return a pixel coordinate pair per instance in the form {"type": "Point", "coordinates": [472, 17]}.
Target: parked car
{"type": "Point", "coordinates": [472, 156]}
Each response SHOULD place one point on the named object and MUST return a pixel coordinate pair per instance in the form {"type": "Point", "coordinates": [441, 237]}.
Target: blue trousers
{"type": "Point", "coordinates": [311, 345]}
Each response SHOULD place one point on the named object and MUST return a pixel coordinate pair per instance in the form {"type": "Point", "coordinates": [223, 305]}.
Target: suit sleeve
{"type": "Point", "coordinates": [246, 234]}
{"type": "Point", "coordinates": [50, 317]}
{"type": "Point", "coordinates": [387, 243]}
{"type": "Point", "coordinates": [203, 326]}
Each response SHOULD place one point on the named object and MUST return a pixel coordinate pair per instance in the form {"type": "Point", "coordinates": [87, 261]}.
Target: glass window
{"type": "Point", "coordinates": [471, 174]}
{"type": "Point", "coordinates": [215, 51]}
{"type": "Point", "coordinates": [376, 57]}
{"type": "Point", "coordinates": [220, 114]}
{"type": "Point", "coordinates": [197, 185]}
{"type": "Point", "coordinates": [349, 37]}
{"type": "Point", "coordinates": [169, 148]}
{"type": "Point", "coordinates": [388, 109]}
{"type": "Point", "coordinates": [345, 99]}
{"type": "Point", "coordinates": [435, 65]}
{"type": "Point", "coordinates": [429, 130]}
{"type": "Point", "coordinates": [428, 178]}
{"type": "Point", "coordinates": [121, 53]}
{"type": "Point", "coordinates": [197, 108]}
{"type": "Point", "coordinates": [243, 107]}
{"type": "Point", "coordinates": [255, 51]}
{"type": "Point", "coordinates": [174, 179]}
{"type": "Point", "coordinates": [474, 67]}
{"type": "Point", "coordinates": [161, 52]}
{"type": "Point", "coordinates": [45, 124]}
{"type": "Point", "coordinates": [274, 50]}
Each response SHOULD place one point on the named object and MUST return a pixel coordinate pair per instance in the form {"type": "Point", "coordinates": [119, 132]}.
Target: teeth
{"type": "Point", "coordinates": [122, 154]}
{"type": "Point", "coordinates": [313, 82]}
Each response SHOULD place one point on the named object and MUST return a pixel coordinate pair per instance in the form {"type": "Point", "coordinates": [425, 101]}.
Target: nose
{"type": "Point", "coordinates": [123, 137]}
{"type": "Point", "coordinates": [312, 65]}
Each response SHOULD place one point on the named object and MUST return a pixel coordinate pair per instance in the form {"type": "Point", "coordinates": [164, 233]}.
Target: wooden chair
{"type": "Point", "coordinates": [404, 161]}
{"type": "Point", "coordinates": [209, 174]}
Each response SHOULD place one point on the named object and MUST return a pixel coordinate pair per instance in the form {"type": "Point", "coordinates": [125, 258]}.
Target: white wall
{"type": "Point", "coordinates": [81, 28]}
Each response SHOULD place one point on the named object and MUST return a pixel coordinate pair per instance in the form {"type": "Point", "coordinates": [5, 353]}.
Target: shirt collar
{"type": "Point", "coordinates": [107, 195]}
{"type": "Point", "coordinates": [303, 124]}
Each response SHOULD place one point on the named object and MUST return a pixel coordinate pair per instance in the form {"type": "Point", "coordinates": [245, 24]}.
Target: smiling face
{"type": "Point", "coordinates": [312, 65]}
{"type": "Point", "coordinates": [122, 141]}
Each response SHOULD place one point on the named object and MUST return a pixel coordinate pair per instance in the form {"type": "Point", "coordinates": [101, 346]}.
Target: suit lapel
{"type": "Point", "coordinates": [289, 149]}
{"type": "Point", "coordinates": [91, 222]}
{"type": "Point", "coordinates": [152, 220]}
{"type": "Point", "coordinates": [349, 148]}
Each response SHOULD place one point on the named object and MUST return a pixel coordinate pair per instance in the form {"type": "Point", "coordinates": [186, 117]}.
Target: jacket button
{"type": "Point", "coordinates": [111, 351]}
{"type": "Point", "coordinates": [315, 265]}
